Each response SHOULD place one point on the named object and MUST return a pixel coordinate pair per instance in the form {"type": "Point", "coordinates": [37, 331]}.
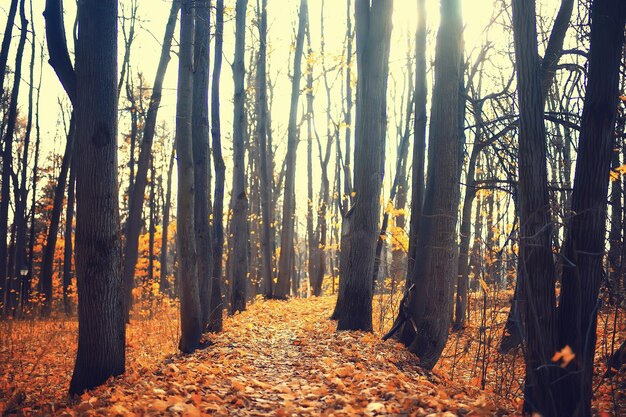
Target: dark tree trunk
{"type": "Point", "coordinates": [435, 269]}
{"type": "Point", "coordinates": [164, 283]}
{"type": "Point", "coordinates": [201, 155]}
{"type": "Point", "coordinates": [137, 195]}
{"type": "Point", "coordinates": [265, 149]}
{"type": "Point", "coordinates": [373, 36]}
{"type": "Point", "coordinates": [101, 330]}
{"type": "Point", "coordinates": [239, 199]}
{"type": "Point", "coordinates": [8, 274]}
{"type": "Point", "coordinates": [585, 241]}
{"type": "Point", "coordinates": [285, 266]}
{"type": "Point", "coordinates": [47, 263]}
{"type": "Point", "coordinates": [419, 135]}
{"type": "Point", "coordinates": [217, 306]}
{"type": "Point", "coordinates": [6, 42]}
{"type": "Point", "coordinates": [537, 303]}
{"type": "Point", "coordinates": [68, 250]}
{"type": "Point", "coordinates": [190, 310]}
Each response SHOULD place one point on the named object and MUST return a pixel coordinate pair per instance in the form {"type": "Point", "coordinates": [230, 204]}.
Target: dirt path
{"type": "Point", "coordinates": [285, 358]}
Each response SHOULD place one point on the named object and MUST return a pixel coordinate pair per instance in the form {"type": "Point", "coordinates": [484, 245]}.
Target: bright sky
{"type": "Point", "coordinates": [282, 20]}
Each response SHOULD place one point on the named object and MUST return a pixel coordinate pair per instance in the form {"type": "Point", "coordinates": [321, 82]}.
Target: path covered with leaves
{"type": "Point", "coordinates": [285, 358]}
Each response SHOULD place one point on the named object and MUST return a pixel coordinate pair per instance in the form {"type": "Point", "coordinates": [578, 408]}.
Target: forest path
{"type": "Point", "coordinates": [285, 358]}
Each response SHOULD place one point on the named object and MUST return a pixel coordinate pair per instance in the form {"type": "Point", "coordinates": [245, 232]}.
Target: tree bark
{"type": "Point", "coordinates": [6, 42]}
{"type": "Point", "coordinates": [6, 274]}
{"type": "Point", "coordinates": [201, 155]}
{"type": "Point", "coordinates": [373, 37]}
{"type": "Point", "coordinates": [419, 135]}
{"type": "Point", "coordinates": [239, 199]}
{"type": "Point", "coordinates": [190, 309]}
{"type": "Point", "coordinates": [585, 241]}
{"type": "Point", "coordinates": [435, 269]}
{"type": "Point", "coordinates": [101, 330]}
{"type": "Point", "coordinates": [217, 306]}
{"type": "Point", "coordinates": [164, 284]}
{"type": "Point", "coordinates": [285, 265]}
{"type": "Point", "coordinates": [537, 303]}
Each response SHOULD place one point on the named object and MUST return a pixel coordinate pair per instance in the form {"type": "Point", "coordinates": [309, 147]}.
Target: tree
{"type": "Point", "coordinates": [201, 155]}
{"type": "Point", "coordinates": [434, 271]}
{"type": "Point", "coordinates": [6, 42]}
{"type": "Point", "coordinates": [101, 335]}
{"type": "Point", "coordinates": [419, 134]}
{"type": "Point", "coordinates": [373, 37]}
{"type": "Point", "coordinates": [190, 309]}
{"type": "Point", "coordinates": [585, 241]}
{"type": "Point", "coordinates": [216, 306]}
{"type": "Point", "coordinates": [239, 199]}
{"type": "Point", "coordinates": [137, 193]}
{"type": "Point", "coordinates": [7, 275]}
{"type": "Point", "coordinates": [262, 132]}
{"type": "Point", "coordinates": [536, 268]}
{"type": "Point", "coordinates": [285, 266]}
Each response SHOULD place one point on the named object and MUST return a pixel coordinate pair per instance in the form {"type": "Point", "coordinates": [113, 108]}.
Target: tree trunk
{"type": "Point", "coordinates": [101, 334]}
{"type": "Point", "coordinates": [164, 284]}
{"type": "Point", "coordinates": [6, 274]}
{"type": "Point", "coordinates": [137, 196]}
{"type": "Point", "coordinates": [419, 135]}
{"type": "Point", "coordinates": [6, 42]}
{"type": "Point", "coordinates": [201, 155]}
{"type": "Point", "coordinates": [537, 303]}
{"type": "Point", "coordinates": [262, 132]}
{"type": "Point", "coordinates": [239, 199]}
{"type": "Point", "coordinates": [435, 269]}
{"type": "Point", "coordinates": [217, 306]}
{"type": "Point", "coordinates": [190, 310]}
{"type": "Point", "coordinates": [585, 241]}
{"type": "Point", "coordinates": [289, 205]}
{"type": "Point", "coordinates": [68, 250]}
{"type": "Point", "coordinates": [373, 36]}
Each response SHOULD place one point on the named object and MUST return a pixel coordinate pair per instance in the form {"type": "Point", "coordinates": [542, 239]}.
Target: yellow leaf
{"type": "Point", "coordinates": [565, 355]}
{"type": "Point", "coordinates": [484, 286]}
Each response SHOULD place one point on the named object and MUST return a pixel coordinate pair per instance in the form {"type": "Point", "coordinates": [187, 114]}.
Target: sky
{"type": "Point", "coordinates": [282, 17]}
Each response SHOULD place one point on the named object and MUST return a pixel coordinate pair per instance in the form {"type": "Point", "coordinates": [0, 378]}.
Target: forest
{"type": "Point", "coordinates": [313, 207]}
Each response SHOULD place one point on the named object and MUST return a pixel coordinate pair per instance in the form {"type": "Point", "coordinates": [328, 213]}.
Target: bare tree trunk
{"type": "Point", "coordinates": [289, 205]}
{"type": "Point", "coordinates": [6, 274]}
{"type": "Point", "coordinates": [190, 310]}
{"type": "Point", "coordinates": [311, 234]}
{"type": "Point", "coordinates": [537, 301]}
{"type": "Point", "coordinates": [217, 306]}
{"type": "Point", "coordinates": [164, 284]}
{"type": "Point", "coordinates": [101, 335]}
{"type": "Point", "coordinates": [262, 132]}
{"type": "Point", "coordinates": [373, 37]}
{"type": "Point", "coordinates": [6, 42]}
{"type": "Point", "coordinates": [68, 250]}
{"type": "Point", "coordinates": [138, 191]}
{"type": "Point", "coordinates": [585, 242]}
{"type": "Point", "coordinates": [419, 136]}
{"type": "Point", "coordinates": [201, 155]}
{"type": "Point", "coordinates": [239, 199]}
{"type": "Point", "coordinates": [435, 269]}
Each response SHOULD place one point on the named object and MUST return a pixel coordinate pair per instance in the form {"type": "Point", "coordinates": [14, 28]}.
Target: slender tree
{"type": "Point", "coordinates": [190, 310]}
{"type": "Point", "coordinates": [216, 306]}
{"type": "Point", "coordinates": [285, 266]}
{"type": "Point", "coordinates": [239, 199]}
{"type": "Point", "coordinates": [137, 195]}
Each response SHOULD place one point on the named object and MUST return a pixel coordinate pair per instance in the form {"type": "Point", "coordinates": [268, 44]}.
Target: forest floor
{"type": "Point", "coordinates": [277, 358]}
